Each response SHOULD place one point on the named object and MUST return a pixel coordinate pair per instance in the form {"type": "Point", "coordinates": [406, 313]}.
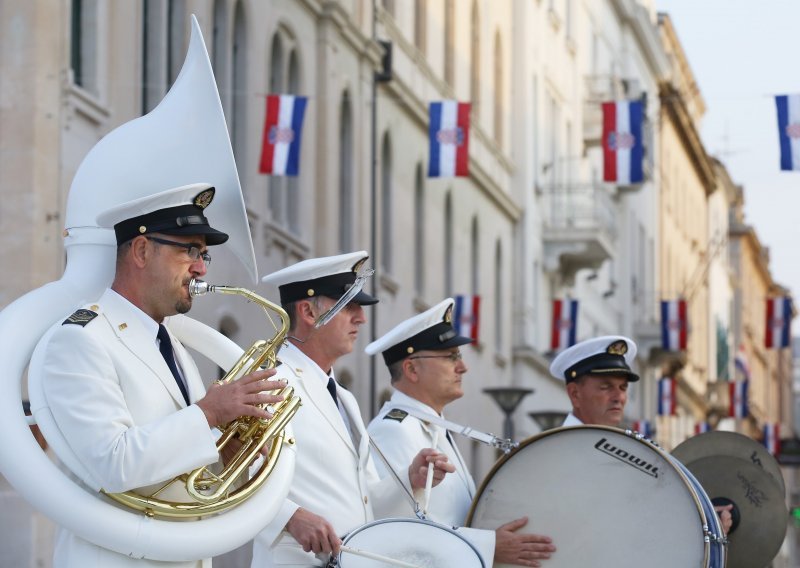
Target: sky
{"type": "Point", "coordinates": [742, 55]}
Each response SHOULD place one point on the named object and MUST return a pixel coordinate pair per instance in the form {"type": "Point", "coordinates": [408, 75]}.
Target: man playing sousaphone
{"type": "Point", "coordinates": [597, 374]}
{"type": "Point", "coordinates": [426, 369]}
{"type": "Point", "coordinates": [335, 488]}
{"type": "Point", "coordinates": [123, 391]}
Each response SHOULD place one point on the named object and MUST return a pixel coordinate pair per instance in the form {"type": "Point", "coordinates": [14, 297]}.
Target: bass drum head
{"type": "Point", "coordinates": [423, 543]}
{"type": "Point", "coordinates": [605, 498]}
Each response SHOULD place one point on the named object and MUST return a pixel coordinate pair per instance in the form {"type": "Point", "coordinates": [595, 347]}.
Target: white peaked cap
{"type": "Point", "coordinates": [329, 276]}
{"type": "Point", "coordinates": [430, 330]}
{"type": "Point", "coordinates": [183, 141]}
{"type": "Point", "coordinates": [606, 355]}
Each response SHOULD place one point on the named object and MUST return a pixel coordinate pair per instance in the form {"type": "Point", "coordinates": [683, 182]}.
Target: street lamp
{"type": "Point", "coordinates": [548, 419]}
{"type": "Point", "coordinates": [508, 398]}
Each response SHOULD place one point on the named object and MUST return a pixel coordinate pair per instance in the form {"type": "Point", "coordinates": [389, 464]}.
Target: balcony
{"type": "Point", "coordinates": [598, 89]}
{"type": "Point", "coordinates": [579, 228]}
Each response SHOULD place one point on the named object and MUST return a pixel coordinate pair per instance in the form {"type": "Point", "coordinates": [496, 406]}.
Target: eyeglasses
{"type": "Point", "coordinates": [453, 356]}
{"type": "Point", "coordinates": [192, 250]}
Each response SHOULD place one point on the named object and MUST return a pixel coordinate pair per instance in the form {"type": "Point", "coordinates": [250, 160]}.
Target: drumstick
{"type": "Point", "coordinates": [429, 481]}
{"type": "Point", "coordinates": [379, 557]}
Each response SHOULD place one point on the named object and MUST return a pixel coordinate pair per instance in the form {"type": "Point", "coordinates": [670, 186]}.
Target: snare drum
{"type": "Point", "coordinates": [422, 543]}
{"type": "Point", "coordinates": [606, 497]}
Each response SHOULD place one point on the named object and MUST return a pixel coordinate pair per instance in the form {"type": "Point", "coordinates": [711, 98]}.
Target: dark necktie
{"type": "Point", "coordinates": [332, 390]}
{"type": "Point", "coordinates": [165, 346]}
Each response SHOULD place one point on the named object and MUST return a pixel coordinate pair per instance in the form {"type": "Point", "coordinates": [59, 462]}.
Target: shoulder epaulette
{"type": "Point", "coordinates": [396, 414]}
{"type": "Point", "coordinates": [80, 317]}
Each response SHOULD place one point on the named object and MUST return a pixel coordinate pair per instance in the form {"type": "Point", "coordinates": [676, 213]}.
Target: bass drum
{"type": "Point", "coordinates": [420, 543]}
{"type": "Point", "coordinates": [607, 497]}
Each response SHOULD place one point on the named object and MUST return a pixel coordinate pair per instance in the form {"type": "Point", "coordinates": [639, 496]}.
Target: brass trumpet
{"type": "Point", "coordinates": [215, 492]}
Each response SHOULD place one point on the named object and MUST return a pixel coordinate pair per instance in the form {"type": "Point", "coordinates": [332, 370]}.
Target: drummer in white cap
{"type": "Point", "coordinates": [426, 368]}
{"type": "Point", "coordinates": [597, 372]}
{"type": "Point", "coordinates": [336, 487]}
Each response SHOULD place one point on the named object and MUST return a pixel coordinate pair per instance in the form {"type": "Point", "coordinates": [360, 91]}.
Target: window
{"type": "Point", "coordinates": [498, 297]}
{"type": "Point", "coordinates": [163, 48]}
{"type": "Point", "coordinates": [386, 204]}
{"type": "Point", "coordinates": [284, 78]}
{"type": "Point", "coordinates": [449, 43]}
{"type": "Point", "coordinates": [498, 90]}
{"type": "Point", "coordinates": [421, 24]}
{"type": "Point", "coordinates": [83, 44]}
{"type": "Point", "coordinates": [419, 231]}
{"type": "Point", "coordinates": [475, 61]}
{"type": "Point", "coordinates": [345, 175]}
{"type": "Point", "coordinates": [239, 79]}
{"type": "Point", "coordinates": [221, 52]}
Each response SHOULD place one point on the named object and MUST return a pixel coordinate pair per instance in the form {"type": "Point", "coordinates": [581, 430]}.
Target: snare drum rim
{"type": "Point", "coordinates": [628, 433]}
{"type": "Point", "coordinates": [376, 522]}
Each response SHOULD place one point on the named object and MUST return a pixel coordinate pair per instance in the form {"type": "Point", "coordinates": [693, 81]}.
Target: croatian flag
{"type": "Point", "coordinates": [565, 324]}
{"type": "Point", "coordinates": [280, 147]}
{"type": "Point", "coordinates": [467, 316]}
{"type": "Point", "coordinates": [789, 130]}
{"type": "Point", "coordinates": [701, 428]}
{"type": "Point", "coordinates": [449, 139]}
{"type": "Point", "coordinates": [772, 438]}
{"type": "Point", "coordinates": [673, 325]}
{"type": "Point", "coordinates": [741, 364]}
{"type": "Point", "coordinates": [737, 391]}
{"type": "Point", "coordinates": [667, 398]}
{"type": "Point", "coordinates": [779, 319]}
{"type": "Point", "coordinates": [644, 427]}
{"type": "Point", "coordinates": [623, 151]}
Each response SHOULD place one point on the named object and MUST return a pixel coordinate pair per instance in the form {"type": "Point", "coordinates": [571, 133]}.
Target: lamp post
{"type": "Point", "coordinates": [508, 398]}
{"type": "Point", "coordinates": [548, 419]}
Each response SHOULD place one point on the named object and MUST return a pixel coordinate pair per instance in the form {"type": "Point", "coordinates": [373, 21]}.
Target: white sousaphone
{"type": "Point", "coordinates": [183, 140]}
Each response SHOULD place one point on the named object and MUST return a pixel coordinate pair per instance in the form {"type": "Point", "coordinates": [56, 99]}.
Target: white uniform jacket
{"type": "Point", "coordinates": [122, 414]}
{"type": "Point", "coordinates": [400, 437]}
{"type": "Point", "coordinates": [572, 420]}
{"type": "Point", "coordinates": [333, 477]}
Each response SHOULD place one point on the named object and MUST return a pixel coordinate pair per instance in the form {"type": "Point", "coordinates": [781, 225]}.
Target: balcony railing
{"type": "Point", "coordinates": [579, 222]}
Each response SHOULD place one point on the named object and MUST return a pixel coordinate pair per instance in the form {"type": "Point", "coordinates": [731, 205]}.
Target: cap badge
{"type": "Point", "coordinates": [617, 348]}
{"type": "Point", "coordinates": [204, 198]}
{"type": "Point", "coordinates": [448, 314]}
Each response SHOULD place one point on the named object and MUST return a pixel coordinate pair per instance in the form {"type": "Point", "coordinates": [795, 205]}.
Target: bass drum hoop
{"type": "Point", "coordinates": [627, 433]}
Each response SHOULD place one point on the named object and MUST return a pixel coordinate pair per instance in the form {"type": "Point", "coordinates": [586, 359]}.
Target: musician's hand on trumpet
{"type": "Point", "coordinates": [313, 532]}
{"type": "Point", "coordinates": [418, 470]}
{"type": "Point", "coordinates": [226, 402]}
{"type": "Point", "coordinates": [512, 547]}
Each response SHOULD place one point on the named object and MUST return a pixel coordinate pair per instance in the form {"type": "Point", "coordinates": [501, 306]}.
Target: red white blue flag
{"type": "Point", "coordinates": [737, 391]}
{"type": "Point", "coordinates": [565, 324]}
{"type": "Point", "coordinates": [467, 316]}
{"type": "Point", "coordinates": [280, 147]}
{"type": "Point", "coordinates": [667, 396]}
{"type": "Point", "coordinates": [449, 139]}
{"type": "Point", "coordinates": [772, 438]}
{"type": "Point", "coordinates": [741, 364]}
{"type": "Point", "coordinates": [789, 130]}
{"type": "Point", "coordinates": [644, 427]}
{"type": "Point", "coordinates": [702, 427]}
{"type": "Point", "coordinates": [673, 325]}
{"type": "Point", "coordinates": [779, 319]}
{"type": "Point", "coordinates": [623, 151]}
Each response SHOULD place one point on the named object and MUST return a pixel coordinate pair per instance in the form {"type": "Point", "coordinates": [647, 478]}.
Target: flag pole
{"type": "Point", "coordinates": [373, 321]}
